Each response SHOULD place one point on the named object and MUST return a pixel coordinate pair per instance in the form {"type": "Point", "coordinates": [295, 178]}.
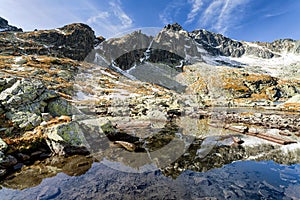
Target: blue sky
{"type": "Point", "coordinates": [248, 20]}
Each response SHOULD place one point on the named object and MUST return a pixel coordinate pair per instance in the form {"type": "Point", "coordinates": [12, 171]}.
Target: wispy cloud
{"type": "Point", "coordinates": [99, 16]}
{"type": "Point", "coordinates": [196, 6]}
{"type": "Point", "coordinates": [222, 15]}
{"type": "Point", "coordinates": [275, 14]}
{"type": "Point", "coordinates": [171, 11]}
{"type": "Point", "coordinates": [216, 15]}
{"type": "Point", "coordinates": [112, 21]}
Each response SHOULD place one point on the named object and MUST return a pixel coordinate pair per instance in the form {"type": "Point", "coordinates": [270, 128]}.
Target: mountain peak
{"type": "Point", "coordinates": [4, 26]}
{"type": "Point", "coordinates": [174, 27]}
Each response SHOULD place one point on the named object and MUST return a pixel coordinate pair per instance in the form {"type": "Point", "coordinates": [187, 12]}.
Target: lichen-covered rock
{"type": "Point", "coordinates": [60, 106]}
{"type": "Point", "coordinates": [21, 92]}
{"type": "Point", "coordinates": [66, 139]}
{"type": "Point", "coordinates": [24, 102]}
{"type": "Point", "coordinates": [24, 120]}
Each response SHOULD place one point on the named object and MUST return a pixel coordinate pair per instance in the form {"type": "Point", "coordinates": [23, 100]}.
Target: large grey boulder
{"type": "Point", "coordinates": [66, 139]}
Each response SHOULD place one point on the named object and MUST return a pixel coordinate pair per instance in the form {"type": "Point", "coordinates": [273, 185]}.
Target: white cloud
{"type": "Point", "coordinates": [196, 6]}
{"type": "Point", "coordinates": [222, 15]}
{"type": "Point", "coordinates": [112, 21]}
{"type": "Point", "coordinates": [100, 16]}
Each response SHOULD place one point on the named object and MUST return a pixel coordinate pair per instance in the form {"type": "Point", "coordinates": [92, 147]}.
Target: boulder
{"type": "Point", "coordinates": [66, 139]}
{"type": "Point", "coordinates": [24, 120]}
{"type": "Point", "coordinates": [21, 92]}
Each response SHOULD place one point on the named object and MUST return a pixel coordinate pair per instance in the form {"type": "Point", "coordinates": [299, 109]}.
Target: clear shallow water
{"type": "Point", "coordinates": [238, 180]}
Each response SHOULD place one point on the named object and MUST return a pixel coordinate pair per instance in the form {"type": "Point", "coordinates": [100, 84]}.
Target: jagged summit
{"type": "Point", "coordinates": [174, 27]}
{"type": "Point", "coordinates": [4, 26]}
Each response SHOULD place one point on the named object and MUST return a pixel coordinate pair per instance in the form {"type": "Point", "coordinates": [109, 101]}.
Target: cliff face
{"type": "Point", "coordinates": [73, 41]}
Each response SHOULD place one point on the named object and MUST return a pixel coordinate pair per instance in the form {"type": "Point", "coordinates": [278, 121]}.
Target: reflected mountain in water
{"type": "Point", "coordinates": [239, 180]}
{"type": "Point", "coordinates": [169, 151]}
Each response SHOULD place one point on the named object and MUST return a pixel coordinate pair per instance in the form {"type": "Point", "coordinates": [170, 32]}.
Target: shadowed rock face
{"type": "Point", "coordinates": [4, 26]}
{"type": "Point", "coordinates": [74, 41]}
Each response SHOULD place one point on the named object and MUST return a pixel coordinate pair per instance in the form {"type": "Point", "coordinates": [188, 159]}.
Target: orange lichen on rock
{"type": "Point", "coordinates": [29, 140]}
{"type": "Point", "coordinates": [292, 106]}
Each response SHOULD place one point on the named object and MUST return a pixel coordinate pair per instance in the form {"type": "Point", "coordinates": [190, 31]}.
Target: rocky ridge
{"type": "Point", "coordinates": [4, 26]}
{"type": "Point", "coordinates": [73, 41]}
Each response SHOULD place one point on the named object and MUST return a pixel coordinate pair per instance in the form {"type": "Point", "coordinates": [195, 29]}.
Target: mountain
{"type": "Point", "coordinates": [4, 26]}
{"type": "Point", "coordinates": [198, 46]}
{"type": "Point", "coordinates": [162, 58]}
{"type": "Point", "coordinates": [73, 41]}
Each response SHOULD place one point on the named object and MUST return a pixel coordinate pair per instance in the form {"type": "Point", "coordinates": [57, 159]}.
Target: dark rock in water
{"type": "Point", "coordinates": [4, 26]}
{"type": "Point", "coordinates": [126, 145]}
{"type": "Point", "coordinates": [8, 161]}
{"type": "Point", "coordinates": [113, 134]}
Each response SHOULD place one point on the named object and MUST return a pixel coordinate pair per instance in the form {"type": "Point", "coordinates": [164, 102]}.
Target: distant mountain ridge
{"type": "Point", "coordinates": [197, 43]}
{"type": "Point", "coordinates": [173, 45]}
{"type": "Point", "coordinates": [4, 26]}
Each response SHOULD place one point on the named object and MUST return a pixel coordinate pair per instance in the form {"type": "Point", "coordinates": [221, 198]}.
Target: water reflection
{"type": "Point", "coordinates": [185, 160]}
{"type": "Point", "coordinates": [239, 180]}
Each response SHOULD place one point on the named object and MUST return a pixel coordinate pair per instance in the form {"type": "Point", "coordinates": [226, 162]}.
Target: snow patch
{"type": "Point", "coordinates": [108, 74]}
{"type": "Point", "coordinates": [82, 96]}
{"type": "Point", "coordinates": [18, 59]}
{"type": "Point", "coordinates": [60, 31]}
